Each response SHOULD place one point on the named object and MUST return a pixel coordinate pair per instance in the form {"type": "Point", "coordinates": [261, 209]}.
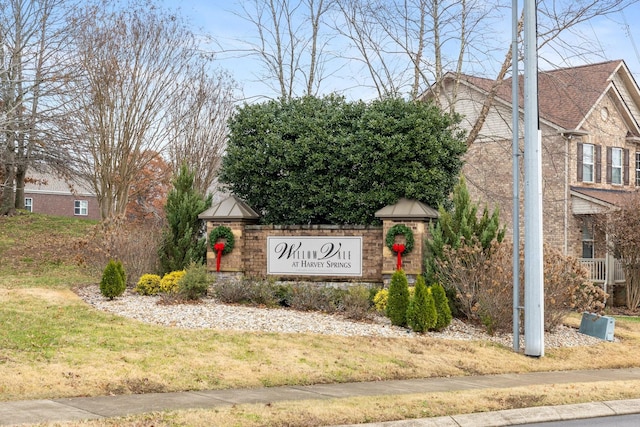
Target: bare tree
{"type": "Point", "coordinates": [621, 226]}
{"type": "Point", "coordinates": [32, 33]}
{"type": "Point", "coordinates": [554, 20]}
{"type": "Point", "coordinates": [407, 46]}
{"type": "Point", "coordinates": [440, 39]}
{"type": "Point", "coordinates": [130, 62]}
{"type": "Point", "coordinates": [290, 43]}
{"type": "Point", "coordinates": [198, 125]}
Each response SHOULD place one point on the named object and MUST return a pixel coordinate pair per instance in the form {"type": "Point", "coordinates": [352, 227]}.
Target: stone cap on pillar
{"type": "Point", "coordinates": [230, 209]}
{"type": "Point", "coordinates": [408, 210]}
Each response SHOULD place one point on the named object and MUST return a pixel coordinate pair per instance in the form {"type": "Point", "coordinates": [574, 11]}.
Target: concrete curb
{"type": "Point", "coordinates": [513, 417]}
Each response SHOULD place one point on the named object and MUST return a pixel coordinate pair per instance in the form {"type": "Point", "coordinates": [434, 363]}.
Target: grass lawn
{"type": "Point", "coordinates": [54, 345]}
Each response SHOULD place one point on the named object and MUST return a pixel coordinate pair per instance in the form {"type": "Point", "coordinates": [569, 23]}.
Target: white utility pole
{"type": "Point", "coordinates": [533, 240]}
{"type": "Point", "coordinates": [515, 148]}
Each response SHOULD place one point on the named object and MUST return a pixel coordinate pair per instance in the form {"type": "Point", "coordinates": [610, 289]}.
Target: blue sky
{"type": "Point", "coordinates": [612, 37]}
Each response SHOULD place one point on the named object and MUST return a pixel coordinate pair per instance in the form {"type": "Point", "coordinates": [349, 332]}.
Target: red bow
{"type": "Point", "coordinates": [398, 248]}
{"type": "Point", "coordinates": [218, 247]}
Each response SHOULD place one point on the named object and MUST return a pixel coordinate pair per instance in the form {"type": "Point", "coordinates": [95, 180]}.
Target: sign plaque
{"type": "Point", "coordinates": [314, 256]}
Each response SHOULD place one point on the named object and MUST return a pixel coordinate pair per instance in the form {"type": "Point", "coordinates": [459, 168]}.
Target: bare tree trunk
{"type": "Point", "coordinates": [632, 291]}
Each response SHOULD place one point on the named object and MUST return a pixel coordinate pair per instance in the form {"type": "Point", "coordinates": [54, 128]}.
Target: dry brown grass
{"type": "Point", "coordinates": [378, 409]}
{"type": "Point", "coordinates": [53, 345]}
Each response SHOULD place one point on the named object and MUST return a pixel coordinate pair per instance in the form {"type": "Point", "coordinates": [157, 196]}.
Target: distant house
{"type": "Point", "coordinates": [590, 125]}
{"type": "Point", "coordinates": [46, 193]}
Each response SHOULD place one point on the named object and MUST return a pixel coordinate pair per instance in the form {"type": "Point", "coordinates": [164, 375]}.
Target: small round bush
{"type": "Point", "coordinates": [380, 300]}
{"type": "Point", "coordinates": [398, 301]}
{"type": "Point", "coordinates": [169, 282]}
{"type": "Point", "coordinates": [194, 284]}
{"type": "Point", "coordinates": [112, 284]}
{"type": "Point", "coordinates": [355, 303]}
{"type": "Point", "coordinates": [149, 284]}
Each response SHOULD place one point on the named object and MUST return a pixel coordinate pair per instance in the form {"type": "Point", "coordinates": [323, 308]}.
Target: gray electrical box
{"type": "Point", "coordinates": [597, 326]}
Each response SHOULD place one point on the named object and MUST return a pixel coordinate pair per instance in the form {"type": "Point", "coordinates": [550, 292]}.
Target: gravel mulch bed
{"type": "Point", "coordinates": [209, 314]}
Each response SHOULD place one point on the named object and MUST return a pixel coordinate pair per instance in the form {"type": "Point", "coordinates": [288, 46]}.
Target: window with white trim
{"type": "Point", "coordinates": [616, 165]}
{"type": "Point", "coordinates": [587, 163]}
{"type": "Point", "coordinates": [81, 207]}
{"type": "Point", "coordinates": [28, 204]}
{"type": "Point", "coordinates": [587, 240]}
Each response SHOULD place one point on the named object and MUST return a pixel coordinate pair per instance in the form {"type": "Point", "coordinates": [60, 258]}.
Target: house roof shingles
{"type": "Point", "coordinates": [607, 196]}
{"type": "Point", "coordinates": [565, 95]}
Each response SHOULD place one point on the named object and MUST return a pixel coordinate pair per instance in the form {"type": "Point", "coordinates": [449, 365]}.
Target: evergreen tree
{"type": "Point", "coordinates": [398, 300]}
{"type": "Point", "coordinates": [181, 240]}
{"type": "Point", "coordinates": [421, 314]}
{"type": "Point", "coordinates": [112, 283]}
{"type": "Point", "coordinates": [443, 310]}
{"type": "Point", "coordinates": [460, 225]}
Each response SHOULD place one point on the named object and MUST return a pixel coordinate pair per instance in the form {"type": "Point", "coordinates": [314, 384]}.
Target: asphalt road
{"type": "Point", "coordinates": [632, 420]}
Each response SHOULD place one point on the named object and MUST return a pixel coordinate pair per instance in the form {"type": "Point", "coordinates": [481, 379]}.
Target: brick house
{"type": "Point", "coordinates": [590, 124]}
{"type": "Point", "coordinates": [47, 193]}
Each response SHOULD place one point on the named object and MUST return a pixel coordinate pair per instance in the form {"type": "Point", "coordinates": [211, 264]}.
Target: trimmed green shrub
{"type": "Point", "coordinates": [169, 282]}
{"type": "Point", "coordinates": [148, 284]}
{"type": "Point", "coordinates": [398, 300]}
{"type": "Point", "coordinates": [443, 309]}
{"type": "Point", "coordinates": [421, 313]}
{"type": "Point", "coordinates": [194, 284]}
{"type": "Point", "coordinates": [112, 284]}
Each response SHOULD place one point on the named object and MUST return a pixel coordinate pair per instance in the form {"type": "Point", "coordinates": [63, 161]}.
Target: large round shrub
{"type": "Point", "coordinates": [328, 161]}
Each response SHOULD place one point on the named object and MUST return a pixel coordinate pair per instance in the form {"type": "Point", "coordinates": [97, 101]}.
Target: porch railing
{"type": "Point", "coordinates": [597, 268]}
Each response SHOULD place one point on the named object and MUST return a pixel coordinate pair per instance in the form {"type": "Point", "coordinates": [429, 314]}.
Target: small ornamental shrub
{"type": "Point", "coordinates": [248, 291]}
{"type": "Point", "coordinates": [355, 303]}
{"type": "Point", "coordinates": [194, 284]}
{"type": "Point", "coordinates": [311, 297]}
{"type": "Point", "coordinates": [169, 282]}
{"type": "Point", "coordinates": [380, 300]}
{"type": "Point", "coordinates": [398, 300]}
{"type": "Point", "coordinates": [149, 284]}
{"type": "Point", "coordinates": [421, 313]}
{"type": "Point", "coordinates": [112, 284]}
{"type": "Point", "coordinates": [283, 295]}
{"type": "Point", "coordinates": [443, 309]}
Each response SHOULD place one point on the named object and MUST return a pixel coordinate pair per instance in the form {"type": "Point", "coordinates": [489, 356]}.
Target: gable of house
{"type": "Point", "coordinates": [589, 120]}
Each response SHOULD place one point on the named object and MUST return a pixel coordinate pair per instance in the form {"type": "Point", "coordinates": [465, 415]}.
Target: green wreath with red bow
{"type": "Point", "coordinates": [399, 248]}
{"type": "Point", "coordinates": [221, 248]}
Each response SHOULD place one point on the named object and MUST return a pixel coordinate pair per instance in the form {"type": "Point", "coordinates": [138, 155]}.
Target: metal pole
{"type": "Point", "coordinates": [515, 116]}
{"type": "Point", "coordinates": [533, 266]}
